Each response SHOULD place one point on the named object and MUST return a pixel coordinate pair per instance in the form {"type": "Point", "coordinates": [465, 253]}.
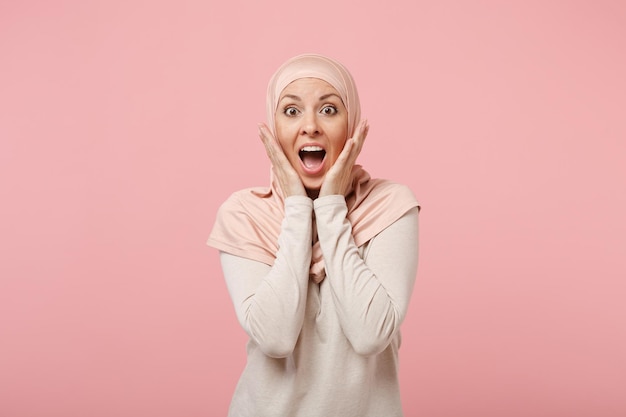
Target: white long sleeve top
{"type": "Point", "coordinates": [328, 349]}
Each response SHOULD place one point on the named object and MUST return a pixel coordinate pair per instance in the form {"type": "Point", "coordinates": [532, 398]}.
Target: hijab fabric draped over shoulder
{"type": "Point", "coordinates": [249, 222]}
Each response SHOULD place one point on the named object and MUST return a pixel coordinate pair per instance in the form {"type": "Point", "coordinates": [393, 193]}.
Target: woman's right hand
{"type": "Point", "coordinates": [287, 177]}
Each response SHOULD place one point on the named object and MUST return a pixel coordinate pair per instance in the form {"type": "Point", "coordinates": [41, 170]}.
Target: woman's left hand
{"type": "Point", "coordinates": [338, 177]}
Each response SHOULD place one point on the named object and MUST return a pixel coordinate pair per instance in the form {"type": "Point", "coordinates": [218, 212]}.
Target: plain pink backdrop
{"type": "Point", "coordinates": [124, 124]}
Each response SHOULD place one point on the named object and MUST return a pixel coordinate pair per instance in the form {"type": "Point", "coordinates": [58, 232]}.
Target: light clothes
{"type": "Point", "coordinates": [321, 287]}
{"type": "Point", "coordinates": [328, 349]}
{"type": "Point", "coordinates": [249, 221]}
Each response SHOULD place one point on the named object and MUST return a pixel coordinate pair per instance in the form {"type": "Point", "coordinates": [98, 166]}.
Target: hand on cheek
{"type": "Point", "coordinates": [286, 176]}
{"type": "Point", "coordinates": [338, 177]}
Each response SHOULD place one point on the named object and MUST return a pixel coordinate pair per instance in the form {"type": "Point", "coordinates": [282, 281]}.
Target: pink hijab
{"type": "Point", "coordinates": [314, 66]}
{"type": "Point", "coordinates": [249, 222]}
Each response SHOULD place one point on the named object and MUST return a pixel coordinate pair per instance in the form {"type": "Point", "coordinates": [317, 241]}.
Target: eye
{"type": "Point", "coordinates": [329, 110]}
{"type": "Point", "coordinates": [290, 111]}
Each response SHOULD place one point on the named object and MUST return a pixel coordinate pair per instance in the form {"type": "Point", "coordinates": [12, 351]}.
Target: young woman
{"type": "Point", "coordinates": [320, 266]}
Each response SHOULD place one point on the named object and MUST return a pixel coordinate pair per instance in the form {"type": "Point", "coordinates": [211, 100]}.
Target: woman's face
{"type": "Point", "coordinates": [312, 128]}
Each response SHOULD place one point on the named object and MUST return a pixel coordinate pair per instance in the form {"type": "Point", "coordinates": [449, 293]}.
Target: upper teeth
{"type": "Point", "coordinates": [312, 148]}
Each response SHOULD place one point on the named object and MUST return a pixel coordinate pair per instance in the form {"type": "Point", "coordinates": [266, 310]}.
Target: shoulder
{"type": "Point", "coordinates": [392, 192]}
{"type": "Point", "coordinates": [241, 201]}
{"type": "Point", "coordinates": [393, 187]}
{"type": "Point", "coordinates": [377, 204]}
{"type": "Point", "coordinates": [247, 225]}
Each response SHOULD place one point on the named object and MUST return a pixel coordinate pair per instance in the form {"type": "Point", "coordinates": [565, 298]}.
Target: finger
{"type": "Point", "coordinates": [266, 136]}
{"type": "Point", "coordinates": [287, 177]}
{"type": "Point", "coordinates": [278, 159]}
{"type": "Point", "coordinates": [272, 147]}
{"type": "Point", "coordinates": [366, 129]}
{"type": "Point", "coordinates": [360, 136]}
{"type": "Point", "coordinates": [361, 129]}
{"type": "Point", "coordinates": [361, 133]}
{"type": "Point", "coordinates": [344, 156]}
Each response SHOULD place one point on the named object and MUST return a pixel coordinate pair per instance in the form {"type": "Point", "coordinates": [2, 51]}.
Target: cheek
{"type": "Point", "coordinates": [337, 148]}
{"type": "Point", "coordinates": [340, 138]}
{"type": "Point", "coordinates": [281, 136]}
{"type": "Point", "coordinates": [286, 142]}
{"type": "Point", "coordinates": [286, 146]}
{"type": "Point", "coordinates": [283, 133]}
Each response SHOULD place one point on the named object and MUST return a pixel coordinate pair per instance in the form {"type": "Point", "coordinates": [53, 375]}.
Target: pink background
{"type": "Point", "coordinates": [123, 126]}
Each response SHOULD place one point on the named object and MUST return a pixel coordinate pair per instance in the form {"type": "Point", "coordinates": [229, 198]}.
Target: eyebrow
{"type": "Point", "coordinates": [297, 98]}
{"type": "Point", "coordinates": [291, 96]}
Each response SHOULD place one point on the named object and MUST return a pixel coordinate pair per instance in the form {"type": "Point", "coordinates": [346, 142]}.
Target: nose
{"type": "Point", "coordinates": [310, 125]}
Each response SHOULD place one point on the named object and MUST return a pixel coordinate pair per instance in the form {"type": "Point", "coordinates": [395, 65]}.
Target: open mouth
{"type": "Point", "coordinates": [312, 156]}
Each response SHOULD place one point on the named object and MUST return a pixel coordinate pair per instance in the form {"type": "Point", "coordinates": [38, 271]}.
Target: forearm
{"type": "Point", "coordinates": [270, 301]}
{"type": "Point", "coordinates": [371, 297]}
